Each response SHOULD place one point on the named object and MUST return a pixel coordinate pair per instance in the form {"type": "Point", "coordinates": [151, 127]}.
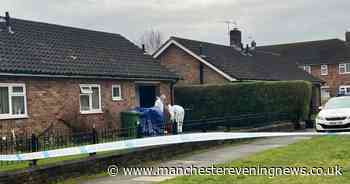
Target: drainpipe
{"type": "Point", "coordinates": [172, 93]}
{"type": "Point", "coordinates": [201, 76]}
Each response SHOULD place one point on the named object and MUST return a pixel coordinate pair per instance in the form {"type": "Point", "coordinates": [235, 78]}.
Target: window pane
{"type": "Point", "coordinates": [84, 102]}
{"type": "Point", "coordinates": [4, 100]}
{"type": "Point", "coordinates": [85, 90]}
{"type": "Point", "coordinates": [17, 89]}
{"type": "Point", "coordinates": [18, 105]}
{"type": "Point", "coordinates": [324, 69]}
{"type": "Point", "coordinates": [95, 98]}
{"type": "Point", "coordinates": [347, 68]}
{"type": "Point", "coordinates": [307, 69]}
{"type": "Point", "coordinates": [116, 92]}
{"type": "Point", "coordinates": [342, 91]}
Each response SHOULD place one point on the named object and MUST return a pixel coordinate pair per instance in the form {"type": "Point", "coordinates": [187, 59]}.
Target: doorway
{"type": "Point", "coordinates": [147, 94]}
{"type": "Point", "coordinates": [325, 94]}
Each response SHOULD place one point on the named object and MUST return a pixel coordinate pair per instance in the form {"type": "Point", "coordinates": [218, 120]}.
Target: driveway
{"type": "Point", "coordinates": [203, 159]}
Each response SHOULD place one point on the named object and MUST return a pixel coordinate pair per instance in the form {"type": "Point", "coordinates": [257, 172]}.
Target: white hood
{"type": "Point", "coordinates": [335, 113]}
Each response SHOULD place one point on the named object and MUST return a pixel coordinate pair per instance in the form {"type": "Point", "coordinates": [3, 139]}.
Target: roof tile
{"type": "Point", "coordinates": [330, 51]}
{"type": "Point", "coordinates": [41, 48]}
{"type": "Point", "coordinates": [259, 66]}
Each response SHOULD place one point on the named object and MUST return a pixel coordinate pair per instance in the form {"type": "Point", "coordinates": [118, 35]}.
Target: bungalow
{"type": "Point", "coordinates": [198, 62]}
{"type": "Point", "coordinates": [51, 74]}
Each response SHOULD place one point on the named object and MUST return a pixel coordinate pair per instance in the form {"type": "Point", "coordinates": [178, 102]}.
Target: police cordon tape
{"type": "Point", "coordinates": [152, 141]}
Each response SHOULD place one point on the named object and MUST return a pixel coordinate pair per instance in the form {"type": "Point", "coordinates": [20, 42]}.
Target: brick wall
{"type": "Point", "coordinates": [187, 67]}
{"type": "Point", "coordinates": [50, 100]}
{"type": "Point", "coordinates": [333, 79]}
{"type": "Point", "coordinates": [212, 77]}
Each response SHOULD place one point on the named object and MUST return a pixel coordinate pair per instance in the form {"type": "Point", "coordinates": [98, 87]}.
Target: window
{"type": "Point", "coordinates": [116, 92]}
{"type": "Point", "coordinates": [13, 102]}
{"type": "Point", "coordinates": [90, 98]}
{"type": "Point", "coordinates": [307, 68]}
{"type": "Point", "coordinates": [344, 90]}
{"type": "Point", "coordinates": [324, 69]}
{"type": "Point", "coordinates": [344, 68]}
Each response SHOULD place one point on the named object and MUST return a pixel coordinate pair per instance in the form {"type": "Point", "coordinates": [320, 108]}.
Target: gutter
{"type": "Point", "coordinates": [87, 77]}
{"type": "Point", "coordinates": [336, 61]}
{"type": "Point", "coordinates": [320, 82]}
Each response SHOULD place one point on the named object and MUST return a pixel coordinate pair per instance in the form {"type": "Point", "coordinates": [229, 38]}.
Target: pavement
{"type": "Point", "coordinates": [202, 159]}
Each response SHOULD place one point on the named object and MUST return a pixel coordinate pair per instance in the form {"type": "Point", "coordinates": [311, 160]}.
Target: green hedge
{"type": "Point", "coordinates": [206, 101]}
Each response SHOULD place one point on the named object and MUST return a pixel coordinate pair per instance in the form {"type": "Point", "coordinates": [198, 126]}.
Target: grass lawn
{"type": "Point", "coordinates": [150, 163]}
{"type": "Point", "coordinates": [327, 151]}
{"type": "Point", "coordinates": [25, 164]}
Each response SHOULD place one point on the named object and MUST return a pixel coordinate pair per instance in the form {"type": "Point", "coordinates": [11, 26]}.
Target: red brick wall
{"type": "Point", "coordinates": [212, 77]}
{"type": "Point", "coordinates": [49, 100]}
{"type": "Point", "coordinates": [187, 67]}
{"type": "Point", "coordinates": [333, 79]}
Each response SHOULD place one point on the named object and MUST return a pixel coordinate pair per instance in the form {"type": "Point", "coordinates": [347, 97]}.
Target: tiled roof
{"type": "Point", "coordinates": [330, 51]}
{"type": "Point", "coordinates": [41, 48]}
{"type": "Point", "coordinates": [258, 66]}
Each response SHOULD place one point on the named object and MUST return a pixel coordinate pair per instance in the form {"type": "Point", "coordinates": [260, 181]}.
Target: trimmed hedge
{"type": "Point", "coordinates": [207, 101]}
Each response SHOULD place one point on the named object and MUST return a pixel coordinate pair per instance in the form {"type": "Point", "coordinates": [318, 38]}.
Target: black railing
{"type": "Point", "coordinates": [56, 139]}
{"type": "Point", "coordinates": [236, 121]}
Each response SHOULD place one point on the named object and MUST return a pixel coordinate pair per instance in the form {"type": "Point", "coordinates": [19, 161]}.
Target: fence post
{"type": "Point", "coordinates": [34, 148]}
{"type": "Point", "coordinates": [94, 138]}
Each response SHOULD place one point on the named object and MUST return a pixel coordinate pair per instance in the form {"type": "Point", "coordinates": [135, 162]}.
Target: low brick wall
{"type": "Point", "coordinates": [95, 164]}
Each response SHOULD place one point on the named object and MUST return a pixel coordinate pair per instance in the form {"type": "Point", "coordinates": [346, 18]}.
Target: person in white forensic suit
{"type": "Point", "coordinates": [160, 103]}
{"type": "Point", "coordinates": [177, 116]}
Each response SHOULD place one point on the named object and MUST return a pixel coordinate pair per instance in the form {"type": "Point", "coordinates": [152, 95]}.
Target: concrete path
{"type": "Point", "coordinates": [203, 159]}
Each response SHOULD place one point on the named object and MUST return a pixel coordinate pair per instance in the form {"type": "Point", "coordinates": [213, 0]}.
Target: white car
{"type": "Point", "coordinates": [335, 115]}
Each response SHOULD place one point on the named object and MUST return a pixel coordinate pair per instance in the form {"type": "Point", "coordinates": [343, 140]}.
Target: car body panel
{"type": "Point", "coordinates": [334, 119]}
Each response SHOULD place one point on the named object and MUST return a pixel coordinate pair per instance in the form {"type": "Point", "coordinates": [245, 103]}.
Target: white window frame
{"type": "Point", "coordinates": [344, 87]}
{"type": "Point", "coordinates": [10, 115]}
{"type": "Point", "coordinates": [343, 65]}
{"type": "Point", "coordinates": [89, 93]}
{"type": "Point", "coordinates": [117, 98]}
{"type": "Point", "coordinates": [307, 68]}
{"type": "Point", "coordinates": [324, 69]}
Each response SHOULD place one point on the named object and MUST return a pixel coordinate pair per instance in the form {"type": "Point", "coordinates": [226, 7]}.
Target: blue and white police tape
{"type": "Point", "coordinates": [152, 141]}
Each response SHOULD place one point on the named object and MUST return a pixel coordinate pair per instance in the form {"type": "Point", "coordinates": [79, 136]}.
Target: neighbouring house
{"type": "Point", "coordinates": [198, 62]}
{"type": "Point", "coordinates": [51, 74]}
{"type": "Point", "coordinates": [328, 60]}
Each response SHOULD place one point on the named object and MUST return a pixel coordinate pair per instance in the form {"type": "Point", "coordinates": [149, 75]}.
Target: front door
{"type": "Point", "coordinates": [325, 94]}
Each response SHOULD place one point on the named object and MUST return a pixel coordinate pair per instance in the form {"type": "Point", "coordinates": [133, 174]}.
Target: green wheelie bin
{"type": "Point", "coordinates": [130, 124]}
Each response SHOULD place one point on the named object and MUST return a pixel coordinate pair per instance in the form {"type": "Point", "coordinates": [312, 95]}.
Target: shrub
{"type": "Point", "coordinates": [207, 101]}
